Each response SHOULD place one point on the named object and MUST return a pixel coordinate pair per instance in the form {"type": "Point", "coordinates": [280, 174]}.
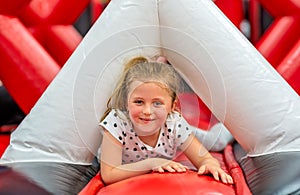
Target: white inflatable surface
{"type": "Point", "coordinates": [231, 77]}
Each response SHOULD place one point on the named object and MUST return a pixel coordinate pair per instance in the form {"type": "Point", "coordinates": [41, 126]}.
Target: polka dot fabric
{"type": "Point", "coordinates": [172, 135]}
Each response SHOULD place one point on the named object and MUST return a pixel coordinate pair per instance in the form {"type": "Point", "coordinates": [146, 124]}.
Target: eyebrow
{"type": "Point", "coordinates": [154, 99]}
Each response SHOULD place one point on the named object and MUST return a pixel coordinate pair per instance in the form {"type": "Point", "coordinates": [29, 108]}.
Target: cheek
{"type": "Point", "coordinates": [161, 112]}
{"type": "Point", "coordinates": [134, 110]}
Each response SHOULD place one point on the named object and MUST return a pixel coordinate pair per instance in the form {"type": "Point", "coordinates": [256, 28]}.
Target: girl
{"type": "Point", "coordinates": [142, 129]}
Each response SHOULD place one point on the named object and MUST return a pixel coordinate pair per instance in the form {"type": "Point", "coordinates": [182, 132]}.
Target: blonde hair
{"type": "Point", "coordinates": [143, 70]}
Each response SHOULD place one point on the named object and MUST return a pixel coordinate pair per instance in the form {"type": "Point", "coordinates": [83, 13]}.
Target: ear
{"type": "Point", "coordinates": [176, 105]}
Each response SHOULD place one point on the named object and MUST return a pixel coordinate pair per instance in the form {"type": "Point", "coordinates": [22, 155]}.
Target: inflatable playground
{"type": "Point", "coordinates": [61, 81]}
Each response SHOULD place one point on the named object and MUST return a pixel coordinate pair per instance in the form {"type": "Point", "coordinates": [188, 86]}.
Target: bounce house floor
{"type": "Point", "coordinates": [179, 181]}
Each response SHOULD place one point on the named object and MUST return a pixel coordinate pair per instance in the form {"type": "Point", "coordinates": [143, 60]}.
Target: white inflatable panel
{"type": "Point", "coordinates": [240, 87]}
{"type": "Point", "coordinates": [63, 125]}
{"type": "Point", "coordinates": [234, 80]}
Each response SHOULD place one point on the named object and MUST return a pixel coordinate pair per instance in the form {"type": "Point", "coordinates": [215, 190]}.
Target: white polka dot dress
{"type": "Point", "coordinates": [172, 135]}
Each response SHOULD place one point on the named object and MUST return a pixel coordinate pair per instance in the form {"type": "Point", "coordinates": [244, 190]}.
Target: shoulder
{"type": "Point", "coordinates": [117, 124]}
{"type": "Point", "coordinates": [174, 116]}
{"type": "Point", "coordinates": [114, 118]}
{"type": "Point", "coordinates": [178, 127]}
{"type": "Point", "coordinates": [176, 120]}
{"type": "Point", "coordinates": [116, 114]}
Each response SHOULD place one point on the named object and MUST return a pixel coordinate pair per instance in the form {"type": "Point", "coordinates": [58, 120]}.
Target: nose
{"type": "Point", "coordinates": [147, 110]}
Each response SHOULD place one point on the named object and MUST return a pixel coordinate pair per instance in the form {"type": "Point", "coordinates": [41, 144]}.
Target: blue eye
{"type": "Point", "coordinates": [157, 103]}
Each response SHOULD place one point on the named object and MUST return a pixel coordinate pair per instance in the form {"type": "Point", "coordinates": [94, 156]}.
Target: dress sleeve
{"type": "Point", "coordinates": [182, 129]}
{"type": "Point", "coordinates": [114, 125]}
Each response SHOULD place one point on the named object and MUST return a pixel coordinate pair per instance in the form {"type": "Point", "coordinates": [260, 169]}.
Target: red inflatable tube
{"type": "Point", "coordinates": [278, 8]}
{"type": "Point", "coordinates": [178, 183]}
{"type": "Point", "coordinates": [236, 172]}
{"type": "Point", "coordinates": [233, 9]}
{"type": "Point", "coordinates": [12, 7]}
{"type": "Point", "coordinates": [26, 69]}
{"type": "Point", "coordinates": [63, 40]}
{"type": "Point", "coordinates": [168, 183]}
{"type": "Point", "coordinates": [195, 111]}
{"type": "Point", "coordinates": [93, 186]}
{"type": "Point", "coordinates": [279, 39]}
{"type": "Point", "coordinates": [254, 19]}
{"type": "Point", "coordinates": [283, 33]}
{"type": "Point", "coordinates": [289, 68]}
{"type": "Point", "coordinates": [97, 8]}
{"type": "Point", "coordinates": [4, 142]}
{"type": "Point", "coordinates": [60, 41]}
{"type": "Point", "coordinates": [52, 12]}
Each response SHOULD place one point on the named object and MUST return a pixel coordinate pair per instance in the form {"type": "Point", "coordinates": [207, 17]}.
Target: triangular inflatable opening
{"type": "Point", "coordinates": [212, 56]}
{"type": "Point", "coordinates": [61, 133]}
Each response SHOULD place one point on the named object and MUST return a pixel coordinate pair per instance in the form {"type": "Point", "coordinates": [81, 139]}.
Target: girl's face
{"type": "Point", "coordinates": [149, 105]}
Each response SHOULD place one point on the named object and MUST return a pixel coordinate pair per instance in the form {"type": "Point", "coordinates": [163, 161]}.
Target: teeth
{"type": "Point", "coordinates": [146, 119]}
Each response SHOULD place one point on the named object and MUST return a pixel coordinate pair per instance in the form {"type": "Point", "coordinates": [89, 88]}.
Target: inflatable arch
{"type": "Point", "coordinates": [238, 85]}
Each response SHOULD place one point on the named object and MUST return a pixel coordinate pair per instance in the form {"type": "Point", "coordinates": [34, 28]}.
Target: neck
{"type": "Point", "coordinates": [150, 140]}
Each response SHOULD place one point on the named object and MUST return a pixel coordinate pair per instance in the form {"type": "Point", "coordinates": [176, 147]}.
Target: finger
{"type": "Point", "coordinates": [224, 177]}
{"type": "Point", "coordinates": [169, 168]}
{"type": "Point", "coordinates": [176, 168]}
{"type": "Point", "coordinates": [186, 167]}
{"type": "Point", "coordinates": [202, 170]}
{"type": "Point", "coordinates": [183, 168]}
{"type": "Point", "coordinates": [229, 179]}
{"type": "Point", "coordinates": [179, 168]}
{"type": "Point", "coordinates": [160, 170]}
{"type": "Point", "coordinates": [215, 175]}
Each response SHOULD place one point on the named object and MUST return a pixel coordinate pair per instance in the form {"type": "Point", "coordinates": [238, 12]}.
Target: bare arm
{"type": "Point", "coordinates": [203, 160]}
{"type": "Point", "coordinates": [112, 169]}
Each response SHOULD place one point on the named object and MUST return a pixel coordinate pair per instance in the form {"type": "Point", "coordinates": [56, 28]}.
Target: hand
{"type": "Point", "coordinates": [162, 59]}
{"type": "Point", "coordinates": [162, 165]}
{"type": "Point", "coordinates": [216, 171]}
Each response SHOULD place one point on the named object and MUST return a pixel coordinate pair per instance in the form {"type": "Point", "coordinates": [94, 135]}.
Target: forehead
{"type": "Point", "coordinates": [149, 89]}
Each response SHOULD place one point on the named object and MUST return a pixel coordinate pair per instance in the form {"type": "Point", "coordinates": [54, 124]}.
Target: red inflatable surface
{"type": "Point", "coordinates": [36, 39]}
{"type": "Point", "coordinates": [164, 183]}
{"type": "Point", "coordinates": [26, 68]}
{"type": "Point", "coordinates": [176, 183]}
{"type": "Point", "coordinates": [289, 68]}
{"type": "Point", "coordinates": [12, 6]}
{"type": "Point", "coordinates": [195, 111]}
{"type": "Point", "coordinates": [4, 141]}
{"type": "Point", "coordinates": [280, 37]}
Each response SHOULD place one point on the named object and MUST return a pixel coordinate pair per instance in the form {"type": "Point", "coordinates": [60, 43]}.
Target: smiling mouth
{"type": "Point", "coordinates": [147, 119]}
